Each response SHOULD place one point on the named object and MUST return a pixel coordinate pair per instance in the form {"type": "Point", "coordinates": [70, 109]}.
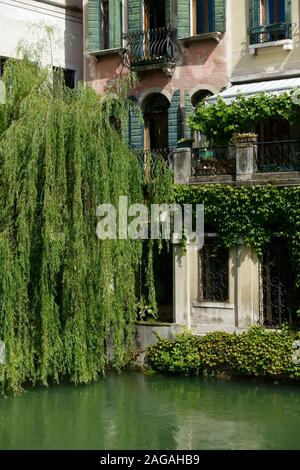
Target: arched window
{"type": "Point", "coordinates": [199, 96]}
{"type": "Point", "coordinates": [200, 139]}
{"type": "Point", "coordinates": [155, 108]}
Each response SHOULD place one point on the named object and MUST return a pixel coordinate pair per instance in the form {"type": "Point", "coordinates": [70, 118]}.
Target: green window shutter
{"type": "Point", "coordinates": [125, 130]}
{"type": "Point", "coordinates": [94, 25]}
{"type": "Point", "coordinates": [169, 12]}
{"type": "Point", "coordinates": [254, 13]}
{"type": "Point", "coordinates": [288, 11]}
{"type": "Point", "coordinates": [134, 15]}
{"type": "Point", "coordinates": [136, 129]}
{"type": "Point", "coordinates": [174, 120]}
{"type": "Point", "coordinates": [188, 110]}
{"type": "Point", "coordinates": [115, 23]}
{"type": "Point", "coordinates": [220, 16]}
{"type": "Point", "coordinates": [184, 21]}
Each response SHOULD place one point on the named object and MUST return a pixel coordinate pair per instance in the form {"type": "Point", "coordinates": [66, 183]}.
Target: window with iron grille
{"type": "Point", "coordinates": [270, 20]}
{"type": "Point", "coordinates": [213, 273]}
{"type": "Point", "coordinates": [279, 296]}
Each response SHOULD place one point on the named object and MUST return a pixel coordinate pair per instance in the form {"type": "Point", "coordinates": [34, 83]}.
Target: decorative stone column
{"type": "Point", "coordinates": [182, 165]}
{"type": "Point", "coordinates": [246, 286]}
{"type": "Point", "coordinates": [185, 275]}
{"type": "Point", "coordinates": [246, 151]}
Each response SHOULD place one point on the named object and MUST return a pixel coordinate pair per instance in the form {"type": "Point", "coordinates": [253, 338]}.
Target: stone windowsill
{"type": "Point", "coordinates": [216, 36]}
{"type": "Point", "coordinates": [104, 52]}
{"type": "Point", "coordinates": [286, 44]}
{"type": "Point", "coordinates": [214, 305]}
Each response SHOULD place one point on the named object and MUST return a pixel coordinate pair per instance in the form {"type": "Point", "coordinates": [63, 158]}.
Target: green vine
{"type": "Point", "coordinates": [253, 214]}
{"type": "Point", "coordinates": [219, 122]}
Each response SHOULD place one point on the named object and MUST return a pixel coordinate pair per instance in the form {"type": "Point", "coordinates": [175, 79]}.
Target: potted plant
{"type": "Point", "coordinates": [207, 153]}
{"type": "Point", "coordinates": [185, 143]}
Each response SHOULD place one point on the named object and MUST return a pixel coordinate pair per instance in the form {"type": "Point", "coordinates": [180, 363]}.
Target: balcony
{"type": "Point", "coordinates": [153, 48]}
{"type": "Point", "coordinates": [274, 157]}
{"type": "Point", "coordinates": [213, 161]}
{"type": "Point", "coordinates": [270, 33]}
{"type": "Point", "coordinates": [248, 162]}
{"type": "Point", "coordinates": [244, 163]}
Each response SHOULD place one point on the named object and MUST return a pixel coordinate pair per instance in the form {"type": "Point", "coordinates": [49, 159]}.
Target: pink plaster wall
{"type": "Point", "coordinates": [203, 67]}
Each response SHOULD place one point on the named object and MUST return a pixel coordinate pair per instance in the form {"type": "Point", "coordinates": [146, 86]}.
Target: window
{"type": "Point", "coordinates": [67, 75]}
{"type": "Point", "coordinates": [154, 14]}
{"type": "Point", "coordinates": [279, 298]}
{"type": "Point", "coordinates": [272, 11]}
{"type": "Point", "coordinates": [2, 63]}
{"type": "Point", "coordinates": [200, 139]}
{"type": "Point", "coordinates": [155, 109]}
{"type": "Point", "coordinates": [270, 20]}
{"type": "Point", "coordinates": [204, 21]}
{"type": "Point", "coordinates": [213, 273]}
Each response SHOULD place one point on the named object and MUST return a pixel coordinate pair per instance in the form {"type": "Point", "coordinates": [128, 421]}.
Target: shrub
{"type": "Point", "coordinates": [257, 353]}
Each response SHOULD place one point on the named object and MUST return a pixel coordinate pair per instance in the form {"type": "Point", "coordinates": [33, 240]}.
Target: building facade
{"type": "Point", "coordinates": [178, 50]}
{"type": "Point", "coordinates": [27, 23]}
{"type": "Point", "coordinates": [184, 51]}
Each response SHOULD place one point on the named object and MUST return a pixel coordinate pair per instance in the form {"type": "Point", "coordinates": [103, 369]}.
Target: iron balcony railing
{"type": "Point", "coordinates": [153, 46]}
{"type": "Point", "coordinates": [270, 32]}
{"type": "Point", "coordinates": [212, 161]}
{"type": "Point", "coordinates": [149, 160]}
{"type": "Point", "coordinates": [268, 157]}
{"type": "Point", "coordinates": [278, 156]}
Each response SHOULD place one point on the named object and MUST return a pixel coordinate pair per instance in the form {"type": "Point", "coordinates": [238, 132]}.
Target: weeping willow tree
{"type": "Point", "coordinates": [64, 294]}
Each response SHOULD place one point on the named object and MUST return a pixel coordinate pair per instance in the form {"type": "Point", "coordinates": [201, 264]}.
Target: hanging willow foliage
{"type": "Point", "coordinates": [65, 296]}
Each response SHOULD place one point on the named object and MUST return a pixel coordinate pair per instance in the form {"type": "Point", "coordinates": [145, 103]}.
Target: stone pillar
{"type": "Point", "coordinates": [182, 165]}
{"type": "Point", "coordinates": [180, 292]}
{"type": "Point", "coordinates": [247, 287]}
{"type": "Point", "coordinates": [246, 150]}
{"type": "Point", "coordinates": [185, 287]}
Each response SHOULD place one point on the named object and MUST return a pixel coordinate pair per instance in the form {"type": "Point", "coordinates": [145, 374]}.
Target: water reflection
{"type": "Point", "coordinates": [133, 411]}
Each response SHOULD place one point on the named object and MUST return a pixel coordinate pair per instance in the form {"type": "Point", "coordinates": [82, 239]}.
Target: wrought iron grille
{"type": "Point", "coordinates": [213, 274]}
{"type": "Point", "coordinates": [149, 160]}
{"type": "Point", "coordinates": [278, 156]}
{"type": "Point", "coordinates": [213, 161]}
{"type": "Point", "coordinates": [153, 46]}
{"type": "Point", "coordinates": [270, 32]}
{"type": "Point", "coordinates": [278, 296]}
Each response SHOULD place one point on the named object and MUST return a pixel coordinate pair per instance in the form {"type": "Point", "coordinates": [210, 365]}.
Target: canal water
{"type": "Point", "coordinates": [133, 411]}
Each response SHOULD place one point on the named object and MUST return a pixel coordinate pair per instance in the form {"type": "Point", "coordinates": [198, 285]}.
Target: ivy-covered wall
{"type": "Point", "coordinates": [253, 214]}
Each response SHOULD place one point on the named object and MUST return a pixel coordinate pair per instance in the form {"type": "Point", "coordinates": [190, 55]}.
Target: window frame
{"type": "Point", "coordinates": [209, 9]}
{"type": "Point", "coordinates": [202, 298]}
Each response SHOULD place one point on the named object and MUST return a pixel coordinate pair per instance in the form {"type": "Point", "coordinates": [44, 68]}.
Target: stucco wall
{"type": "Point", "coordinates": [25, 21]}
{"type": "Point", "coordinates": [203, 67]}
{"type": "Point", "coordinates": [267, 62]}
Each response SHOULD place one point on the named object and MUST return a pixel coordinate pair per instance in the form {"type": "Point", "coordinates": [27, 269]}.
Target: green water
{"type": "Point", "coordinates": [133, 411]}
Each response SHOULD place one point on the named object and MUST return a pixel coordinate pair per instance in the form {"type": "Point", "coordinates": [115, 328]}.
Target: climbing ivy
{"type": "Point", "coordinates": [220, 121]}
{"type": "Point", "coordinates": [253, 214]}
{"type": "Point", "coordinates": [66, 298]}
